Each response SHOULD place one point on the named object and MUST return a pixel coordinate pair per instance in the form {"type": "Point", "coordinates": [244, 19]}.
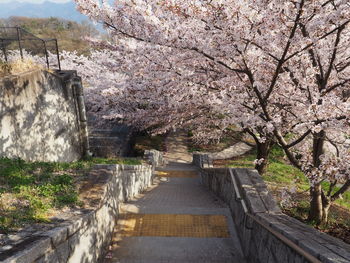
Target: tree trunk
{"type": "Point", "coordinates": [325, 212]}
{"type": "Point", "coordinates": [263, 150]}
{"type": "Point", "coordinates": [316, 206]}
{"type": "Point", "coordinates": [316, 203]}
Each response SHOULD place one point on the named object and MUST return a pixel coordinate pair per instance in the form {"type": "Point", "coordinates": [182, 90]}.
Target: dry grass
{"type": "Point", "coordinates": [18, 66]}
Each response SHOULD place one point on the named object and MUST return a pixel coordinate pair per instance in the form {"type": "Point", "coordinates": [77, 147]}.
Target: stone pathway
{"type": "Point", "coordinates": [177, 151]}
{"type": "Point", "coordinates": [235, 150]}
{"type": "Point", "coordinates": [176, 220]}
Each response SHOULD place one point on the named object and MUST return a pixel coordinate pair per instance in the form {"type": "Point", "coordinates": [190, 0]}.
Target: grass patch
{"type": "Point", "coordinates": [97, 160]}
{"type": "Point", "coordinates": [344, 201]}
{"type": "Point", "coordinates": [17, 66]}
{"type": "Point", "coordinates": [278, 170]}
{"type": "Point", "coordinates": [32, 191]}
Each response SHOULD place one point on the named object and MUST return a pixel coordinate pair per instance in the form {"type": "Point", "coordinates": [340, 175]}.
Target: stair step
{"type": "Point", "coordinates": [178, 174]}
{"type": "Point", "coordinates": [100, 141]}
{"type": "Point", "coordinates": [173, 225]}
{"type": "Point", "coordinates": [106, 151]}
{"type": "Point", "coordinates": [119, 130]}
{"type": "Point", "coordinates": [176, 249]}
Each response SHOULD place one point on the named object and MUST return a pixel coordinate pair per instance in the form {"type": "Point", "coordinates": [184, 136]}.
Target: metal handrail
{"type": "Point", "coordinates": [278, 235]}
{"type": "Point", "coordinates": [19, 39]}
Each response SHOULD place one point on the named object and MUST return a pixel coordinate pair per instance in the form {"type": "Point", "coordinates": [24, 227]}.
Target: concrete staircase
{"type": "Point", "coordinates": [112, 142]}
{"type": "Point", "coordinates": [177, 220]}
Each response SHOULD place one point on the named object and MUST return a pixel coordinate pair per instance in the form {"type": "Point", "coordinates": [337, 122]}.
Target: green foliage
{"type": "Point", "coordinates": [29, 191]}
{"type": "Point", "coordinates": [126, 161]}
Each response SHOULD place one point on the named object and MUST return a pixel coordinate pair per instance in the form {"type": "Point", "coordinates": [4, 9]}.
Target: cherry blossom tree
{"type": "Point", "coordinates": [278, 69]}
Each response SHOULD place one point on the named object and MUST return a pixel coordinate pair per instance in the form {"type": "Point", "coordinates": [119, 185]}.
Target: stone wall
{"type": "Point", "coordinates": [82, 239]}
{"type": "Point", "coordinates": [202, 160]}
{"type": "Point", "coordinates": [42, 117]}
{"type": "Point", "coordinates": [259, 244]}
{"type": "Point", "coordinates": [154, 157]}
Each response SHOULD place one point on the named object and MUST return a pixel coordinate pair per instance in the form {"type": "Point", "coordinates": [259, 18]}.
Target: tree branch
{"type": "Point", "coordinates": [289, 154]}
{"type": "Point", "coordinates": [312, 44]}
{"type": "Point", "coordinates": [341, 191]}
{"type": "Point", "coordinates": [336, 86]}
{"type": "Point", "coordinates": [334, 55]}
{"type": "Point", "coordinates": [302, 137]}
{"type": "Point", "coordinates": [330, 190]}
{"type": "Point", "coordinates": [285, 52]}
{"type": "Point", "coordinates": [195, 49]}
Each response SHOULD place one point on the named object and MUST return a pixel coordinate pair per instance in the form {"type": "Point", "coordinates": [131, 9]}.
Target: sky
{"type": "Point", "coordinates": [35, 1]}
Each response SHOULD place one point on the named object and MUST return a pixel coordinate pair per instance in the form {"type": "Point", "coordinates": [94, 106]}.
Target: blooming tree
{"type": "Point", "coordinates": [279, 69]}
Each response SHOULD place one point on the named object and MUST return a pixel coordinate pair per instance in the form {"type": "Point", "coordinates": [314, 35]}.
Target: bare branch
{"type": "Point", "coordinates": [285, 52]}
{"type": "Point", "coordinates": [341, 191]}
{"type": "Point", "coordinates": [300, 139]}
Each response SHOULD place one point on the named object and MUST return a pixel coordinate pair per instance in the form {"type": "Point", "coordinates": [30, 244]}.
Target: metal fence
{"type": "Point", "coordinates": [17, 38]}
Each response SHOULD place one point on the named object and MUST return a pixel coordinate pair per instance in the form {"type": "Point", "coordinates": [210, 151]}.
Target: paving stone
{"type": "Point", "coordinates": [177, 205]}
{"type": "Point", "coordinates": [176, 250]}
{"type": "Point", "coordinates": [173, 225]}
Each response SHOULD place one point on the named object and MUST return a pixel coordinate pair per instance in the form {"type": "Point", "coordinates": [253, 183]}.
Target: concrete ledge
{"type": "Point", "coordinates": [83, 238]}
{"type": "Point", "coordinates": [258, 244]}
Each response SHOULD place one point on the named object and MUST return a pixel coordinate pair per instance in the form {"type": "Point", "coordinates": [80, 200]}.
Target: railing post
{"type": "Point", "coordinates": [58, 56]}
{"type": "Point", "coordinates": [4, 49]}
{"type": "Point", "coordinates": [19, 41]}
{"type": "Point", "coordinates": [46, 55]}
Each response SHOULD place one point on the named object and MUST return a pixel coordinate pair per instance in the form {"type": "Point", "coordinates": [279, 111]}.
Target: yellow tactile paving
{"type": "Point", "coordinates": [181, 174]}
{"type": "Point", "coordinates": [173, 225]}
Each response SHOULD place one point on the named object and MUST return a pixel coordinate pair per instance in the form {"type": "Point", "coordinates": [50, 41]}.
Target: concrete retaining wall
{"type": "Point", "coordinates": [42, 117]}
{"type": "Point", "coordinates": [83, 238]}
{"type": "Point", "coordinates": [260, 245]}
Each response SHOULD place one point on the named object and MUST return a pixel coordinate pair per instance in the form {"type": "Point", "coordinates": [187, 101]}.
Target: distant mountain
{"type": "Point", "coordinates": [45, 9]}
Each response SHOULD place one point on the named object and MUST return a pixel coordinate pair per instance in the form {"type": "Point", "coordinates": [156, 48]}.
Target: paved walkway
{"type": "Point", "coordinates": [176, 144]}
{"type": "Point", "coordinates": [235, 150]}
{"type": "Point", "coordinates": [176, 220]}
